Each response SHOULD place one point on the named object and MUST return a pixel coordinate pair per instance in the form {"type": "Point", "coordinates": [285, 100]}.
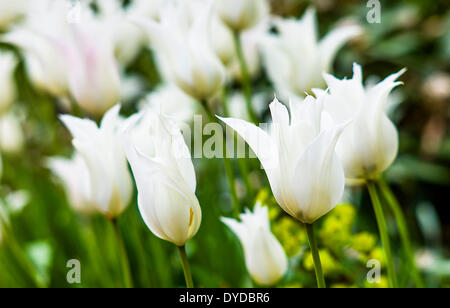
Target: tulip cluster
{"type": "Point", "coordinates": [331, 132]}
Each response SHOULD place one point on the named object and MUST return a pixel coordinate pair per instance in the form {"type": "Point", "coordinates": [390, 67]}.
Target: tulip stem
{"type": "Point", "coordinates": [316, 257]}
{"type": "Point", "coordinates": [382, 227]}
{"type": "Point", "coordinates": [124, 262]}
{"type": "Point", "coordinates": [186, 268]}
{"type": "Point", "coordinates": [246, 82]}
{"type": "Point", "coordinates": [403, 230]}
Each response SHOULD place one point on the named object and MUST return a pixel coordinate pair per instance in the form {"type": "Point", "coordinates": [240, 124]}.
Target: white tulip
{"type": "Point", "coordinates": [298, 155]}
{"type": "Point", "coordinates": [165, 177]}
{"type": "Point", "coordinates": [295, 59]}
{"type": "Point", "coordinates": [369, 144]}
{"type": "Point", "coordinates": [182, 43]}
{"type": "Point", "coordinates": [176, 104]}
{"type": "Point", "coordinates": [12, 139]}
{"type": "Point", "coordinates": [40, 40]}
{"type": "Point", "coordinates": [8, 89]}
{"type": "Point", "coordinates": [94, 78]}
{"type": "Point", "coordinates": [75, 177]}
{"type": "Point", "coordinates": [241, 15]}
{"type": "Point", "coordinates": [128, 38]}
{"type": "Point", "coordinates": [102, 151]}
{"type": "Point", "coordinates": [264, 256]}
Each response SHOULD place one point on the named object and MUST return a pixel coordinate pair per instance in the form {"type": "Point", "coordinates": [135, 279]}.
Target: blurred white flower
{"type": "Point", "coordinates": [11, 11]}
{"type": "Point", "coordinates": [94, 79]}
{"type": "Point", "coordinates": [102, 151]}
{"type": "Point", "coordinates": [8, 89]}
{"type": "Point", "coordinates": [264, 256]}
{"type": "Point", "coordinates": [295, 59]}
{"type": "Point", "coordinates": [241, 15]}
{"type": "Point", "coordinates": [131, 87]}
{"type": "Point", "coordinates": [39, 39]}
{"type": "Point", "coordinates": [11, 205]}
{"type": "Point", "coordinates": [165, 177]}
{"type": "Point", "coordinates": [298, 156]}
{"type": "Point", "coordinates": [146, 8]}
{"type": "Point", "coordinates": [172, 102]}
{"type": "Point", "coordinates": [369, 144]}
{"type": "Point", "coordinates": [183, 45]}
{"type": "Point", "coordinates": [237, 107]}
{"type": "Point", "coordinates": [76, 58]}
{"type": "Point", "coordinates": [127, 36]}
{"type": "Point", "coordinates": [75, 177]}
{"type": "Point", "coordinates": [12, 139]}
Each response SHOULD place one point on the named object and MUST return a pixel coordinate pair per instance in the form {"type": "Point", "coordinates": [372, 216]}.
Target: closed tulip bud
{"type": "Point", "coordinates": [265, 258]}
{"type": "Point", "coordinates": [165, 177]}
{"type": "Point", "coordinates": [12, 139]}
{"type": "Point", "coordinates": [75, 178]}
{"type": "Point", "coordinates": [182, 44]}
{"type": "Point", "coordinates": [7, 84]}
{"type": "Point", "coordinates": [369, 144]}
{"type": "Point", "coordinates": [241, 15]}
{"type": "Point", "coordinates": [298, 155]}
{"type": "Point", "coordinates": [110, 184]}
{"type": "Point", "coordinates": [94, 78]}
{"type": "Point", "coordinates": [295, 59]}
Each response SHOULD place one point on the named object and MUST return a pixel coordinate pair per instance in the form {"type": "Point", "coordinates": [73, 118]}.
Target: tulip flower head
{"type": "Point", "coordinates": [265, 258]}
{"type": "Point", "coordinates": [110, 184]}
{"type": "Point", "coordinates": [12, 139]}
{"type": "Point", "coordinates": [369, 144]}
{"type": "Point", "coordinates": [182, 43]}
{"type": "Point", "coordinates": [295, 59]}
{"type": "Point", "coordinates": [40, 39]}
{"type": "Point", "coordinates": [75, 177]}
{"type": "Point", "coordinates": [7, 84]}
{"type": "Point", "coordinates": [241, 15]}
{"type": "Point", "coordinates": [165, 177]}
{"type": "Point", "coordinates": [298, 155]}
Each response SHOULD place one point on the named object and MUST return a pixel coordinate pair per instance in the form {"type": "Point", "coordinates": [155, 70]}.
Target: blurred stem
{"type": "Point", "coordinates": [316, 257]}
{"type": "Point", "coordinates": [186, 268]}
{"type": "Point", "coordinates": [246, 82]}
{"type": "Point", "coordinates": [382, 227]}
{"type": "Point", "coordinates": [124, 263]}
{"type": "Point", "coordinates": [229, 167]}
{"type": "Point", "coordinates": [21, 258]}
{"type": "Point", "coordinates": [403, 230]}
{"type": "Point", "coordinates": [242, 163]}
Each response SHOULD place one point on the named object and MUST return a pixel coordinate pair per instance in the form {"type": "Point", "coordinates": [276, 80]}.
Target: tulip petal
{"type": "Point", "coordinates": [331, 43]}
{"type": "Point", "coordinates": [319, 178]}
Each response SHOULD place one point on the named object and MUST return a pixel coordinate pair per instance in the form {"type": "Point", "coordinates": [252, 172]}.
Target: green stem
{"type": "Point", "coordinates": [186, 268]}
{"type": "Point", "coordinates": [316, 257]}
{"type": "Point", "coordinates": [403, 230]}
{"type": "Point", "coordinates": [246, 82]}
{"type": "Point", "coordinates": [124, 263]}
{"type": "Point", "coordinates": [382, 227]}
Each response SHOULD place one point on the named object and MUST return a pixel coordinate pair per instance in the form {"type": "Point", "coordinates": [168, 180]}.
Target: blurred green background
{"type": "Point", "coordinates": [46, 233]}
